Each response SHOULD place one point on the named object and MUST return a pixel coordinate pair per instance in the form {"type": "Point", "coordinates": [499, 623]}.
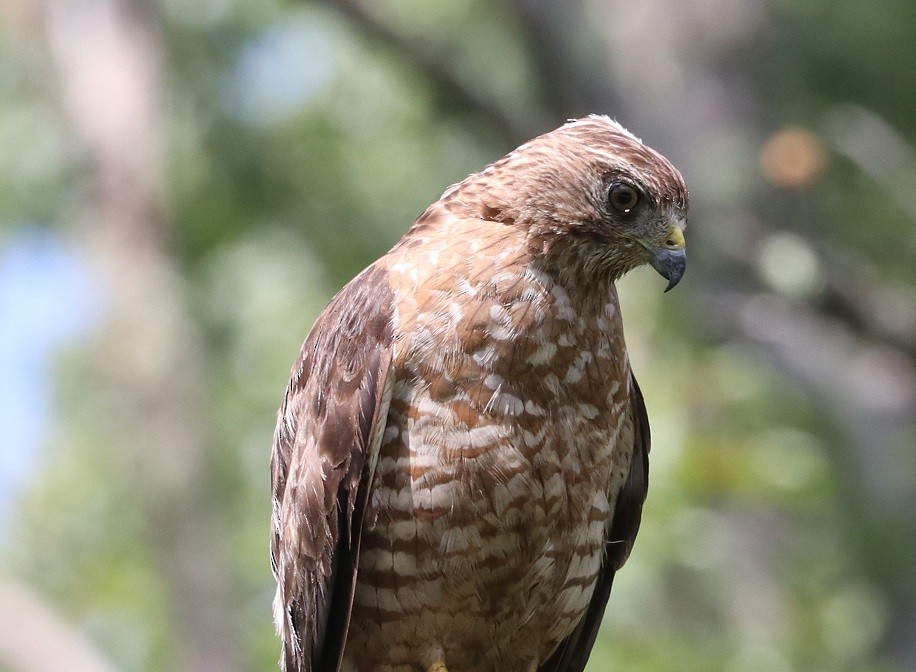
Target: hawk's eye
{"type": "Point", "coordinates": [623, 197]}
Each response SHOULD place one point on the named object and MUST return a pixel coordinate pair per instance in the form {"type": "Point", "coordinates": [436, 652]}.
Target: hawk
{"type": "Point", "coordinates": [461, 458]}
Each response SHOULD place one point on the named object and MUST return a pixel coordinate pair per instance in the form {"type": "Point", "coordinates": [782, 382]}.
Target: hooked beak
{"type": "Point", "coordinates": [670, 260]}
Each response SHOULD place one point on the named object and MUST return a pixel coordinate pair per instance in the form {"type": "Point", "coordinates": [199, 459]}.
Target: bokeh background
{"type": "Point", "coordinates": [185, 183]}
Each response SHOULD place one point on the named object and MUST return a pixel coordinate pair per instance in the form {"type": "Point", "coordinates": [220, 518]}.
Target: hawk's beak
{"type": "Point", "coordinates": [670, 260]}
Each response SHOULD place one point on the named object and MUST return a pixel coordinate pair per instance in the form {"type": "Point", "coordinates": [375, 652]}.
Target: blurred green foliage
{"type": "Point", "coordinates": [291, 143]}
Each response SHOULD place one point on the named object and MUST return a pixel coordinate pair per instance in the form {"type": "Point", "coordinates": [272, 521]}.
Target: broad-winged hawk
{"type": "Point", "coordinates": [461, 458]}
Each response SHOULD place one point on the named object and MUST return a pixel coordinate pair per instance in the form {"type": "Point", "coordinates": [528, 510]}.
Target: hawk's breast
{"type": "Point", "coordinates": [499, 465]}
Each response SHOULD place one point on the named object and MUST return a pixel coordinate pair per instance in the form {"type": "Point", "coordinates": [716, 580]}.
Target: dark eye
{"type": "Point", "coordinates": [623, 197]}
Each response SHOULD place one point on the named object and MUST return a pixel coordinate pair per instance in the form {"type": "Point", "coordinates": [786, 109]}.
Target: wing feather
{"type": "Point", "coordinates": [573, 652]}
{"type": "Point", "coordinates": [328, 426]}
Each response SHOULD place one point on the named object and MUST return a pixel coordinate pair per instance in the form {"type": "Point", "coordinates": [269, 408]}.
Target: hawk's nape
{"type": "Point", "coordinates": [461, 459]}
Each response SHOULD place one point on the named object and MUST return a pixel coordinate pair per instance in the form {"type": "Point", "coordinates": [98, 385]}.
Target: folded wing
{"type": "Point", "coordinates": [325, 447]}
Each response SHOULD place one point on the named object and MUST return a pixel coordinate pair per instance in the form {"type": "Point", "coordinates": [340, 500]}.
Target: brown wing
{"type": "Point", "coordinates": [328, 429]}
{"type": "Point", "coordinates": [573, 652]}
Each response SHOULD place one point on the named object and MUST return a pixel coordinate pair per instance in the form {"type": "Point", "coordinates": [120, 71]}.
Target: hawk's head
{"type": "Point", "coordinates": [592, 196]}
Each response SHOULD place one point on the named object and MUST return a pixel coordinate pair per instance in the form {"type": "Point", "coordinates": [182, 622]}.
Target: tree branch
{"type": "Point", "coordinates": [447, 84]}
{"type": "Point", "coordinates": [34, 638]}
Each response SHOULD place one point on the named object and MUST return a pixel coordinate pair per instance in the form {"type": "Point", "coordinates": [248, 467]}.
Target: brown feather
{"type": "Point", "coordinates": [573, 653]}
{"type": "Point", "coordinates": [324, 429]}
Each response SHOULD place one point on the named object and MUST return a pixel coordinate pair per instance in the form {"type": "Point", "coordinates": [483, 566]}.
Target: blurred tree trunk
{"type": "Point", "coordinates": [152, 353]}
